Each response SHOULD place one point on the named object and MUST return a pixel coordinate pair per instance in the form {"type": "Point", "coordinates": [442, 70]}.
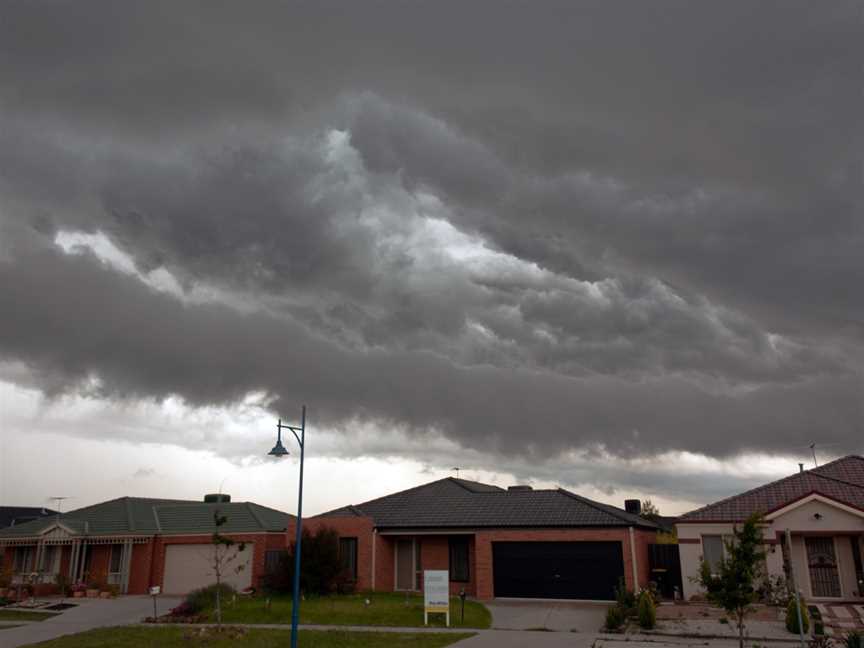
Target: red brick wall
{"type": "Point", "coordinates": [643, 539]}
{"type": "Point", "coordinates": [484, 539]}
{"type": "Point", "coordinates": [435, 554]}
{"type": "Point", "coordinates": [385, 575]}
{"type": "Point", "coordinates": [351, 526]}
{"type": "Point", "coordinates": [97, 571]}
{"type": "Point", "coordinates": [140, 568]}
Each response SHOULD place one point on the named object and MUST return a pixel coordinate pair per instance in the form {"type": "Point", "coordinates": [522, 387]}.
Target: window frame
{"type": "Point", "coordinates": [351, 566]}
{"type": "Point", "coordinates": [456, 543]}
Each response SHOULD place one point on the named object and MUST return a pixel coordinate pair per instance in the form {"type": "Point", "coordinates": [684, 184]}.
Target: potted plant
{"type": "Point", "coordinates": [78, 590]}
{"type": "Point", "coordinates": [93, 588]}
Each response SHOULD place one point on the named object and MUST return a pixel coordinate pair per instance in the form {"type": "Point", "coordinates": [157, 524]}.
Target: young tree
{"type": "Point", "coordinates": [223, 555]}
{"type": "Point", "coordinates": [731, 584]}
{"type": "Point", "coordinates": [650, 510]}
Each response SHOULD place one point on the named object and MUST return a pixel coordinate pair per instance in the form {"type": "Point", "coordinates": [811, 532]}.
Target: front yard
{"type": "Point", "coordinates": [384, 609]}
{"type": "Point", "coordinates": [24, 615]}
{"type": "Point", "coordinates": [166, 637]}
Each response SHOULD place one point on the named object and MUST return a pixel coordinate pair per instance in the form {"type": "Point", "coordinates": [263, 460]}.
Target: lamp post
{"type": "Point", "coordinates": [279, 451]}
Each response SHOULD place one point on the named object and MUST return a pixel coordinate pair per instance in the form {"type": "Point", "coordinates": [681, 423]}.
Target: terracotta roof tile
{"type": "Point", "coordinates": [841, 480]}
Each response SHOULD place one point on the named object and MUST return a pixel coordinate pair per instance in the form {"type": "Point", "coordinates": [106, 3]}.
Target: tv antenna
{"type": "Point", "coordinates": [58, 501]}
{"type": "Point", "coordinates": [456, 468]}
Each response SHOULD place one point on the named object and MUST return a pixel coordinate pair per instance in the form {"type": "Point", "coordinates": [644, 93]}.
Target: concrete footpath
{"type": "Point", "coordinates": [88, 614]}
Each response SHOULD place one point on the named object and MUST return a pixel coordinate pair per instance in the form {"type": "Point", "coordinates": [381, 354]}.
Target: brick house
{"type": "Point", "coordinates": [822, 508]}
{"type": "Point", "coordinates": [517, 542]}
{"type": "Point", "coordinates": [134, 543]}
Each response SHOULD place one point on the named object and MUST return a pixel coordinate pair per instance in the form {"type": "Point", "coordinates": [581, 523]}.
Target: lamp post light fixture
{"type": "Point", "coordinates": [279, 451]}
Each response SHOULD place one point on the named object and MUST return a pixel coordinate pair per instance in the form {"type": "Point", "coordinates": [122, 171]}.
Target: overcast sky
{"type": "Point", "coordinates": [612, 246]}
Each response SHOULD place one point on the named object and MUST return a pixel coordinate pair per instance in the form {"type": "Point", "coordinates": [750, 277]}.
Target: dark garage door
{"type": "Point", "coordinates": [573, 570]}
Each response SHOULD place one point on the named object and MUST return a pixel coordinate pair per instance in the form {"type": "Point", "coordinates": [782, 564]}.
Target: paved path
{"type": "Point", "coordinates": [560, 616]}
{"type": "Point", "coordinates": [89, 614]}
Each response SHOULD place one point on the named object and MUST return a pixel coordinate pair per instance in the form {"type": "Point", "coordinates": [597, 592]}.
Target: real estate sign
{"type": "Point", "coordinates": [436, 594]}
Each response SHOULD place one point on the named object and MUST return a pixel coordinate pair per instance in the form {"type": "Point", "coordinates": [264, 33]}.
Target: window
{"type": "Point", "coordinates": [348, 555]}
{"type": "Point", "coordinates": [116, 559]}
{"type": "Point", "coordinates": [275, 561]}
{"type": "Point", "coordinates": [23, 560]}
{"type": "Point", "coordinates": [49, 559]}
{"type": "Point", "coordinates": [459, 568]}
{"type": "Point", "coordinates": [712, 550]}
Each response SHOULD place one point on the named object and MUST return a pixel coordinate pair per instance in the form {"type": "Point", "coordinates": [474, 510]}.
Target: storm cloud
{"type": "Point", "coordinates": [605, 227]}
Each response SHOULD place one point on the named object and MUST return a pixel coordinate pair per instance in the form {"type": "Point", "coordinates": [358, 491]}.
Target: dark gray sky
{"type": "Point", "coordinates": [540, 233]}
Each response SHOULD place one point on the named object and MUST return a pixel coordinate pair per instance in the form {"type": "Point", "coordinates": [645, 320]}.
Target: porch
{"type": "Point", "coordinates": [411, 554]}
{"type": "Point", "coordinates": [61, 554]}
{"type": "Point", "coordinates": [827, 566]}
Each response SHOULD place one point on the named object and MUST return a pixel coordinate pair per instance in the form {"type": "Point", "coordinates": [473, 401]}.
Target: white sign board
{"type": "Point", "coordinates": [155, 590]}
{"type": "Point", "coordinates": [436, 593]}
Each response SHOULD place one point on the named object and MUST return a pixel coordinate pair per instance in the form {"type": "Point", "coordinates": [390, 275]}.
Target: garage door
{"type": "Point", "coordinates": [571, 570]}
{"type": "Point", "coordinates": [190, 566]}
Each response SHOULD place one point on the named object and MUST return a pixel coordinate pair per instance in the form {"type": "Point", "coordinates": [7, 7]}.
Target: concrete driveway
{"type": "Point", "coordinates": [538, 614]}
{"type": "Point", "coordinates": [89, 614]}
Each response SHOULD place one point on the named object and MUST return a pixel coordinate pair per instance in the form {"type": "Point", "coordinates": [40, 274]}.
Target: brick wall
{"type": "Point", "coordinates": [351, 526]}
{"type": "Point", "coordinates": [484, 539]}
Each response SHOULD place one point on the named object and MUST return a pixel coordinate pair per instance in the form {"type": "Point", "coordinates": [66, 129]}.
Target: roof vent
{"type": "Point", "coordinates": [520, 488]}
{"type": "Point", "coordinates": [217, 498]}
{"type": "Point", "coordinates": [800, 467]}
{"type": "Point", "coordinates": [633, 506]}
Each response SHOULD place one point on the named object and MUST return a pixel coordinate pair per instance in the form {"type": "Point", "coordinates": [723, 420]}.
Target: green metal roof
{"type": "Point", "coordinates": [147, 516]}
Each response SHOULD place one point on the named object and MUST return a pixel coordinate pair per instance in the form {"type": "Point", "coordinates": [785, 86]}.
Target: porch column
{"type": "Point", "coordinates": [73, 560]}
{"type": "Point", "coordinates": [37, 558]}
{"type": "Point", "coordinates": [125, 562]}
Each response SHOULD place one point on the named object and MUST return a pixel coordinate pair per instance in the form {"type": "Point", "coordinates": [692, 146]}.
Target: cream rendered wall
{"type": "Point", "coordinates": [801, 519]}
{"type": "Point", "coordinates": [833, 519]}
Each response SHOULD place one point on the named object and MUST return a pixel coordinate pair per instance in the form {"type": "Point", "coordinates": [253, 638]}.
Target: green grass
{"type": "Point", "coordinates": [168, 637]}
{"type": "Point", "coordinates": [24, 615]}
{"type": "Point", "coordinates": [386, 609]}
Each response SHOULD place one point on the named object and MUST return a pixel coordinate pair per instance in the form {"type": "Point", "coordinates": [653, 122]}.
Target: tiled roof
{"type": "Point", "coordinates": [841, 480]}
{"type": "Point", "coordinates": [12, 515]}
{"type": "Point", "coordinates": [458, 503]}
{"type": "Point", "coordinates": [146, 516]}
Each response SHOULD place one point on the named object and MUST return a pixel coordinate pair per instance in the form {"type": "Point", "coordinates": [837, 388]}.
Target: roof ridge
{"type": "Point", "coordinates": [607, 508]}
{"type": "Point", "coordinates": [838, 460]}
{"type": "Point", "coordinates": [462, 482]}
{"type": "Point", "coordinates": [747, 492]}
{"type": "Point", "coordinates": [402, 492]}
{"type": "Point", "coordinates": [254, 515]}
{"type": "Point", "coordinates": [270, 508]}
{"type": "Point", "coordinates": [838, 480]}
{"type": "Point", "coordinates": [129, 519]}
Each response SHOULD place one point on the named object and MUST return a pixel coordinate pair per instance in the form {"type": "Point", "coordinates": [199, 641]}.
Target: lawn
{"type": "Point", "coordinates": [167, 637]}
{"type": "Point", "coordinates": [24, 615]}
{"type": "Point", "coordinates": [385, 609]}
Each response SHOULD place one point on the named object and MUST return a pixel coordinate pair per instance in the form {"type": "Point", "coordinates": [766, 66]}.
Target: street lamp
{"type": "Point", "coordinates": [279, 451]}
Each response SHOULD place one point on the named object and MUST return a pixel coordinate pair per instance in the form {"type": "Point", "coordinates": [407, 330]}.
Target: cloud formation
{"type": "Point", "coordinates": [589, 227]}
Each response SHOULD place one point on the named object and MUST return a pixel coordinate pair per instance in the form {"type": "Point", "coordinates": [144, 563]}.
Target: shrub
{"type": "Point", "coordinates": [201, 599]}
{"type": "Point", "coordinates": [854, 639]}
{"type": "Point", "coordinates": [321, 569]}
{"type": "Point", "coordinates": [614, 617]}
{"type": "Point", "coordinates": [625, 598]}
{"type": "Point", "coordinates": [792, 618]}
{"type": "Point", "coordinates": [647, 611]}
